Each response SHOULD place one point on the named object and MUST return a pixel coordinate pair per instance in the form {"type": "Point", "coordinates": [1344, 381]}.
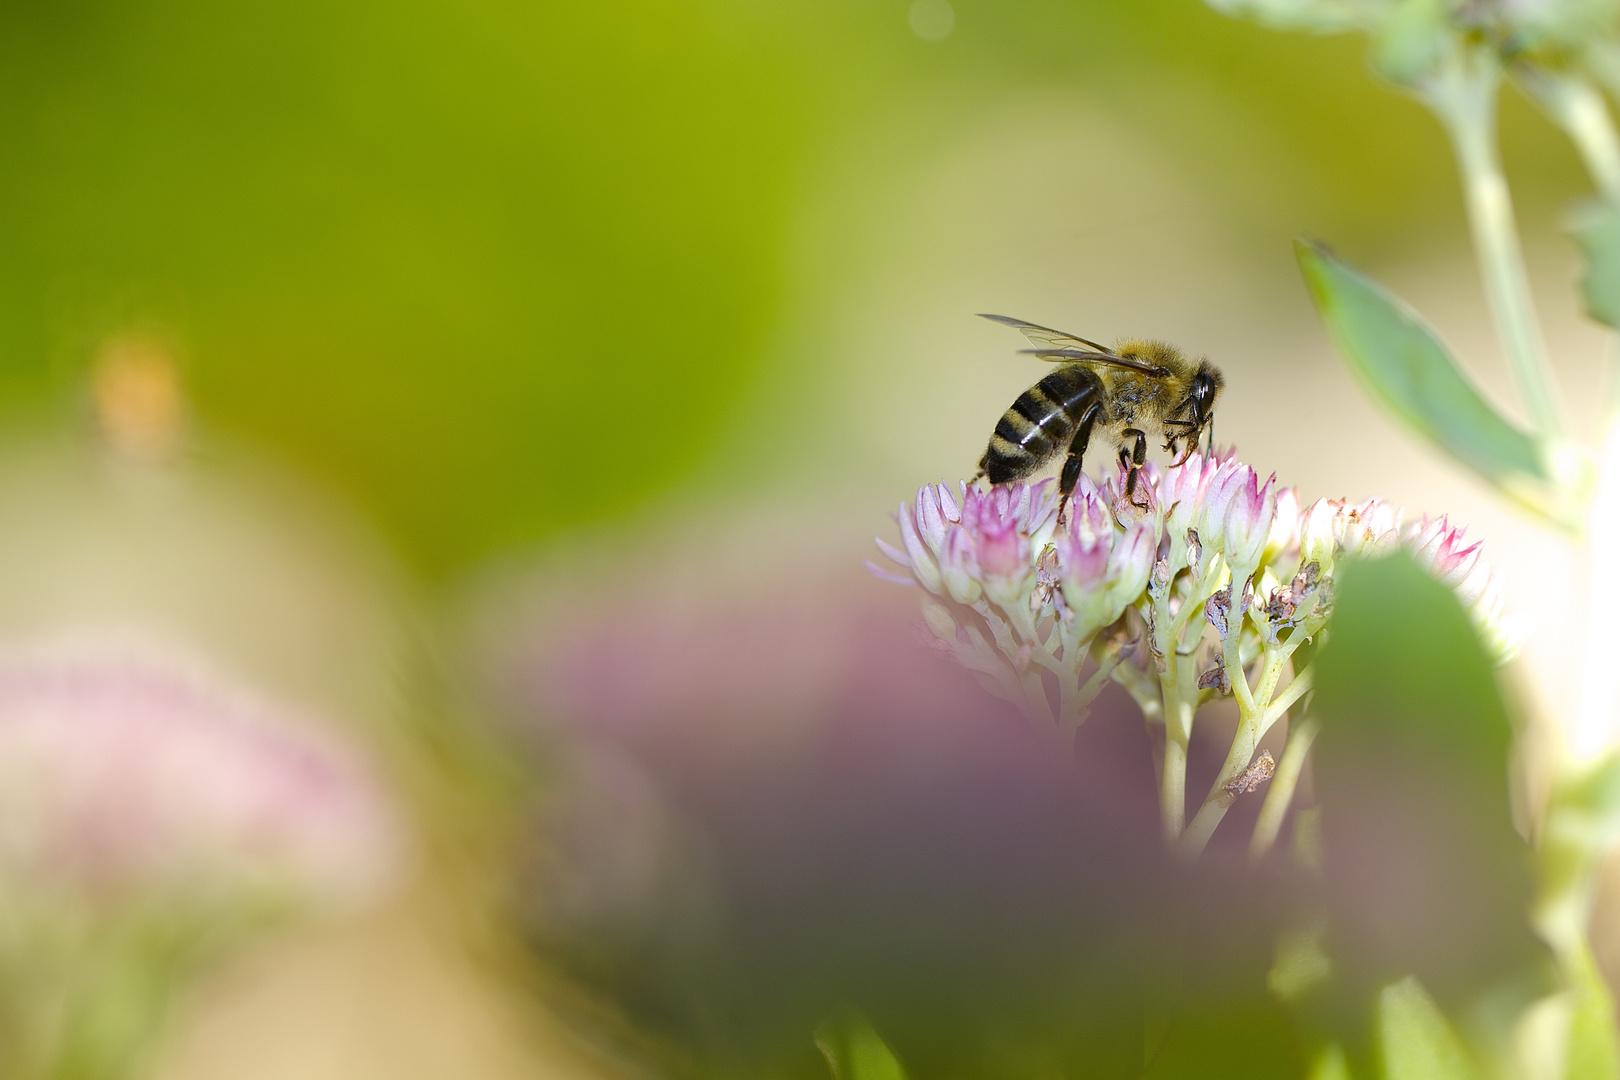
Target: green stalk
{"type": "Point", "coordinates": [1177, 737]}
{"type": "Point", "coordinates": [1252, 710]}
{"type": "Point", "coordinates": [1074, 710]}
{"type": "Point", "coordinates": [1463, 95]}
{"type": "Point", "coordinates": [1577, 107]}
{"type": "Point", "coordinates": [1178, 718]}
{"type": "Point", "coordinates": [1281, 792]}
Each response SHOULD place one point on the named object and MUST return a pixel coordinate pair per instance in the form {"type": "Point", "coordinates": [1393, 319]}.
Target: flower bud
{"type": "Point", "coordinates": [1102, 571]}
{"type": "Point", "coordinates": [1370, 529]}
{"type": "Point", "coordinates": [1183, 490]}
{"type": "Point", "coordinates": [939, 620]}
{"type": "Point", "coordinates": [1316, 542]}
{"type": "Point", "coordinates": [1238, 513]}
{"type": "Point", "coordinates": [1282, 543]}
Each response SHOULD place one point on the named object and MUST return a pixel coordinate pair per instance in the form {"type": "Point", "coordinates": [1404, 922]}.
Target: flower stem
{"type": "Point", "coordinates": [1464, 97]}
{"type": "Point", "coordinates": [1179, 704]}
{"type": "Point", "coordinates": [1178, 715]}
{"type": "Point", "coordinates": [1173, 787]}
{"type": "Point", "coordinates": [1074, 710]}
{"type": "Point", "coordinates": [1297, 689]}
{"type": "Point", "coordinates": [1578, 109]}
{"type": "Point", "coordinates": [1281, 792]}
{"type": "Point", "coordinates": [1252, 709]}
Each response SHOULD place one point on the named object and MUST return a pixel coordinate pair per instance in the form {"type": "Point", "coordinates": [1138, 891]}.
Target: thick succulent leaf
{"type": "Point", "coordinates": [1406, 367]}
{"type": "Point", "coordinates": [1596, 229]}
{"type": "Point", "coordinates": [1424, 875]}
{"type": "Point", "coordinates": [1415, 1041]}
{"type": "Point", "coordinates": [854, 1051]}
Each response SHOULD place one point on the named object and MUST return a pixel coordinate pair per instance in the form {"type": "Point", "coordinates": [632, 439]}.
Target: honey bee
{"type": "Point", "coordinates": [1133, 388]}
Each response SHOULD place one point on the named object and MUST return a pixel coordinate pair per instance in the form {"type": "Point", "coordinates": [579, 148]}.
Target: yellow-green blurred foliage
{"type": "Point", "coordinates": [494, 268]}
{"type": "Point", "coordinates": [495, 271]}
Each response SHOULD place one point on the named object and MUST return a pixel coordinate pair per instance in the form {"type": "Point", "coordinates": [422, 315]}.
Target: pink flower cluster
{"type": "Point", "coordinates": [130, 771]}
{"type": "Point", "coordinates": [1005, 546]}
{"type": "Point", "coordinates": [984, 544]}
{"type": "Point", "coordinates": [1333, 529]}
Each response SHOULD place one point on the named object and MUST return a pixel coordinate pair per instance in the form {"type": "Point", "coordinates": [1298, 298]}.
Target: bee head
{"type": "Point", "coordinates": [1206, 387]}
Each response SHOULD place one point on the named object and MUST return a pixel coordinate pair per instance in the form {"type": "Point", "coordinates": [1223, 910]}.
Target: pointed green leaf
{"type": "Point", "coordinates": [1597, 230]}
{"type": "Point", "coordinates": [1414, 1040]}
{"type": "Point", "coordinates": [1594, 1045]}
{"type": "Point", "coordinates": [1329, 1064]}
{"type": "Point", "coordinates": [1406, 367]}
{"type": "Point", "coordinates": [854, 1051]}
{"type": "Point", "coordinates": [1423, 872]}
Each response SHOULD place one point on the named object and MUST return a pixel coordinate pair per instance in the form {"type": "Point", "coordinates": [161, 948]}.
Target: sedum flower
{"type": "Point", "coordinates": [1333, 530]}
{"type": "Point", "coordinates": [1184, 489]}
{"type": "Point", "coordinates": [1237, 515]}
{"type": "Point", "coordinates": [1442, 551]}
{"type": "Point", "coordinates": [1282, 543]}
{"type": "Point", "coordinates": [1334, 527]}
{"type": "Point", "coordinates": [1208, 536]}
{"type": "Point", "coordinates": [922, 534]}
{"type": "Point", "coordinates": [988, 540]}
{"type": "Point", "coordinates": [1143, 504]}
{"type": "Point", "coordinates": [1101, 569]}
{"type": "Point", "coordinates": [991, 548]}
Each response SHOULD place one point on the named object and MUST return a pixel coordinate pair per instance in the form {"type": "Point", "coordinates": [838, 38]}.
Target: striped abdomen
{"type": "Point", "coordinates": [1041, 423]}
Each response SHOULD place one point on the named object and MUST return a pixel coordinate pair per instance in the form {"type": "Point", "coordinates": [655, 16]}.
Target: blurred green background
{"type": "Point", "coordinates": [492, 269]}
{"type": "Point", "coordinates": [499, 275]}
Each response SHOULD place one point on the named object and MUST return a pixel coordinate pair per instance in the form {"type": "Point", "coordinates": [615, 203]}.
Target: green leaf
{"type": "Point", "coordinates": [1329, 1064]}
{"type": "Point", "coordinates": [1596, 228]}
{"type": "Point", "coordinates": [1406, 367]}
{"type": "Point", "coordinates": [1423, 872]}
{"type": "Point", "coordinates": [1415, 1042]}
{"type": "Point", "coordinates": [854, 1050]}
{"type": "Point", "coordinates": [1594, 1045]}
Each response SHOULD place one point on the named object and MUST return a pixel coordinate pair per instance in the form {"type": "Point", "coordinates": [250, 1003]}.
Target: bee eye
{"type": "Point", "coordinates": [1203, 397]}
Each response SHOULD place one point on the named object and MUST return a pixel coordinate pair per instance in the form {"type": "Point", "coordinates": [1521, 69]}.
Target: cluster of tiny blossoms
{"type": "Point", "coordinates": [1204, 582]}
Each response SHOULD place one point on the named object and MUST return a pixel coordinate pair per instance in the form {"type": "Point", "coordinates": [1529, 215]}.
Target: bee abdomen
{"type": "Point", "coordinates": [1040, 423]}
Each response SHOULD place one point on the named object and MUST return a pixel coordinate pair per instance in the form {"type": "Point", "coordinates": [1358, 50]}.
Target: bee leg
{"type": "Point", "coordinates": [1172, 443]}
{"type": "Point", "coordinates": [1132, 460]}
{"type": "Point", "coordinates": [1071, 464]}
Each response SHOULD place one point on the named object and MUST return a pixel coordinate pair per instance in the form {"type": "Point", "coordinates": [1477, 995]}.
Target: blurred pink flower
{"type": "Point", "coordinates": [127, 770]}
{"type": "Point", "coordinates": [1440, 549]}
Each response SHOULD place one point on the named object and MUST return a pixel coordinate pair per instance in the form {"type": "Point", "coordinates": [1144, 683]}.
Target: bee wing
{"type": "Point", "coordinates": [1044, 337]}
{"type": "Point", "coordinates": [1056, 345]}
{"type": "Point", "coordinates": [1098, 358]}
